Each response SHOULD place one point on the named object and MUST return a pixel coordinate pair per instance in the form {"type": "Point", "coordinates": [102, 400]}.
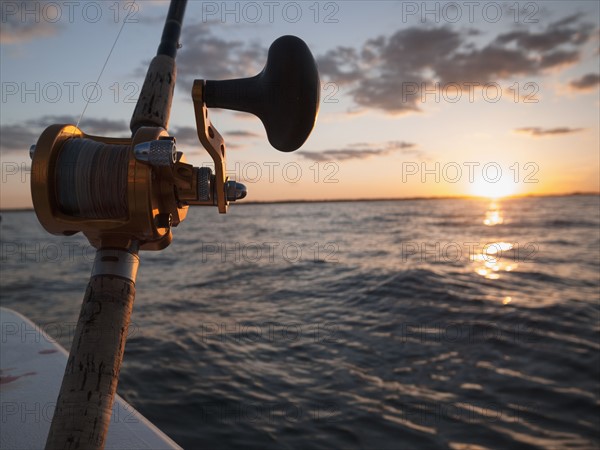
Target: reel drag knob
{"type": "Point", "coordinates": [284, 96]}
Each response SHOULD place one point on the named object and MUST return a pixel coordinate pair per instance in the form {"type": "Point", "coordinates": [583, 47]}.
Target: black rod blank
{"type": "Point", "coordinates": [169, 42]}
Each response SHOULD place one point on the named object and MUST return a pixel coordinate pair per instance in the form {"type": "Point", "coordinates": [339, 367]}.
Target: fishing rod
{"type": "Point", "coordinates": [126, 195]}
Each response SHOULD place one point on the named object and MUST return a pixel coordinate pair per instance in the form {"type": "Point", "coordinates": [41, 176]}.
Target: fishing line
{"type": "Point", "coordinates": [82, 170]}
{"type": "Point", "coordinates": [104, 66]}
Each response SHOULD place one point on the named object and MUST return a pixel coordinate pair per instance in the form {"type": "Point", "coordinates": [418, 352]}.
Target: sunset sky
{"type": "Point", "coordinates": [418, 99]}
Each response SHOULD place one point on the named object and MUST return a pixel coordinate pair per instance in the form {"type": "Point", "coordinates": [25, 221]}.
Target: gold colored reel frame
{"type": "Point", "coordinates": [150, 210]}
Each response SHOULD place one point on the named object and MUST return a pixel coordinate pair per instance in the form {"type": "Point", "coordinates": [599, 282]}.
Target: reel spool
{"type": "Point", "coordinates": [121, 191]}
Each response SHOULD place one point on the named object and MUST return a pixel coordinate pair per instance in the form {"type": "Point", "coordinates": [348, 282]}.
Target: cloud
{"type": "Point", "coordinates": [359, 151]}
{"type": "Point", "coordinates": [19, 137]}
{"type": "Point", "coordinates": [586, 82]}
{"type": "Point", "coordinates": [341, 64]}
{"type": "Point", "coordinates": [541, 132]}
{"type": "Point", "coordinates": [25, 20]}
{"type": "Point", "coordinates": [105, 127]}
{"type": "Point", "coordinates": [187, 136]}
{"type": "Point", "coordinates": [207, 56]}
{"type": "Point", "coordinates": [565, 31]}
{"type": "Point", "coordinates": [390, 72]}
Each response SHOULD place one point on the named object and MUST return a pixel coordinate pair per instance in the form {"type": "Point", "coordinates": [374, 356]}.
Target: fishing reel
{"type": "Point", "coordinates": [117, 191]}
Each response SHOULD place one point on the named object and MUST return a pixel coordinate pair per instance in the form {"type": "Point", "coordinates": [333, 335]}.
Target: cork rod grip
{"type": "Point", "coordinates": [84, 405]}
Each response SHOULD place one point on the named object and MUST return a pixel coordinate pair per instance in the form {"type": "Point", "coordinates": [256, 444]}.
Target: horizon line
{"type": "Point", "coordinates": [383, 199]}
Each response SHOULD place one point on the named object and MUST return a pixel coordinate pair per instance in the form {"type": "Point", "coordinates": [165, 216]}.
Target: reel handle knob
{"type": "Point", "coordinates": [284, 96]}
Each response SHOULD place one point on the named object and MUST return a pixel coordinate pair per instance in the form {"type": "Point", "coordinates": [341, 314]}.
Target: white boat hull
{"type": "Point", "coordinates": [31, 370]}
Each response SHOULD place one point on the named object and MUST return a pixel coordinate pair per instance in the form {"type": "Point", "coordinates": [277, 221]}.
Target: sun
{"type": "Point", "coordinates": [494, 190]}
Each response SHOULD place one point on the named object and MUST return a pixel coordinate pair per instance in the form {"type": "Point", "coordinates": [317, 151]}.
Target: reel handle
{"type": "Point", "coordinates": [284, 96]}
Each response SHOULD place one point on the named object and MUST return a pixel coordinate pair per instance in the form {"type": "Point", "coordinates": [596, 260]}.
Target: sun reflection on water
{"type": "Point", "coordinates": [493, 216]}
{"type": "Point", "coordinates": [494, 257]}
{"type": "Point", "coordinates": [492, 260]}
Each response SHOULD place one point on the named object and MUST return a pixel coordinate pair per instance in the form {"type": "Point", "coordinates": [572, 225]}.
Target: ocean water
{"type": "Point", "coordinates": [442, 324]}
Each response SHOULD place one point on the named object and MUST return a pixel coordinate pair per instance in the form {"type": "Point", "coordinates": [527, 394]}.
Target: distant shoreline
{"type": "Point", "coordinates": [397, 199]}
